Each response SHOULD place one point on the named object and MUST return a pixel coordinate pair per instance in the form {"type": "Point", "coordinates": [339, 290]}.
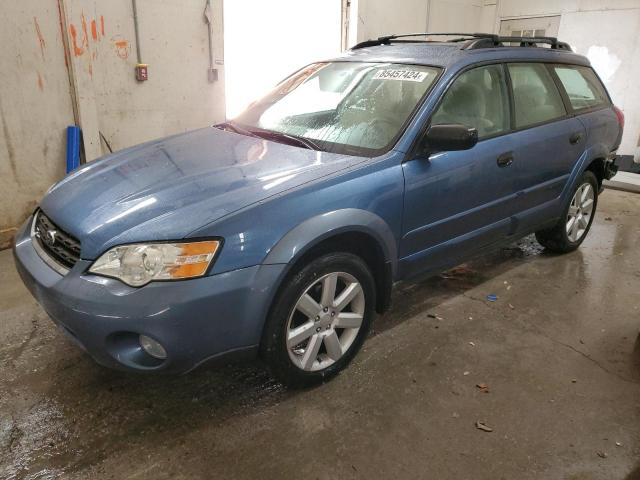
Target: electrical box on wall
{"type": "Point", "coordinates": [142, 72]}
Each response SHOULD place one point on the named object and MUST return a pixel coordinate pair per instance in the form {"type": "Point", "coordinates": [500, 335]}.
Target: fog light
{"type": "Point", "coordinates": [152, 347]}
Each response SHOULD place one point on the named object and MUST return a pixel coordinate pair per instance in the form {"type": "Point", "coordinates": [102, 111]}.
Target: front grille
{"type": "Point", "coordinates": [56, 243]}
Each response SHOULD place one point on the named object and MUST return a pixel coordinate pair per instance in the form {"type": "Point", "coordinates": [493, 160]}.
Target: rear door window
{"type": "Point", "coordinates": [478, 98]}
{"type": "Point", "coordinates": [582, 85]}
{"type": "Point", "coordinates": [536, 97]}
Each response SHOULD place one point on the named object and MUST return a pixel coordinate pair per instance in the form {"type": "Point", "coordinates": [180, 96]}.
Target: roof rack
{"type": "Point", "coordinates": [472, 41]}
{"type": "Point", "coordinates": [491, 41]}
{"type": "Point", "coordinates": [386, 40]}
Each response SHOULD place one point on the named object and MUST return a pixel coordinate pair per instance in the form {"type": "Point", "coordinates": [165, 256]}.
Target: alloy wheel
{"type": "Point", "coordinates": [580, 211]}
{"type": "Point", "coordinates": [325, 321]}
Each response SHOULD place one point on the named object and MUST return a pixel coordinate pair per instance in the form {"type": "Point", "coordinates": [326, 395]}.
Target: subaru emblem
{"type": "Point", "coordinates": [51, 236]}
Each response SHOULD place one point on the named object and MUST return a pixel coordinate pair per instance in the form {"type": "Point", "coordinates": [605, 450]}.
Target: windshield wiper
{"type": "Point", "coordinates": [291, 139]}
{"type": "Point", "coordinates": [234, 127]}
{"type": "Point", "coordinates": [269, 135]}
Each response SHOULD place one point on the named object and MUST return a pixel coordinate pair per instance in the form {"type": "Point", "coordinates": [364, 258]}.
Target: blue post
{"type": "Point", "coordinates": [73, 148]}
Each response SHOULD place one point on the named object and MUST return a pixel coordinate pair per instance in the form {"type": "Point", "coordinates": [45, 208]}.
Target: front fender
{"type": "Point", "coordinates": [316, 229]}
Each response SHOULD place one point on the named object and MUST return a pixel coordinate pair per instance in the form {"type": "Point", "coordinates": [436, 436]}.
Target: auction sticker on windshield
{"type": "Point", "coordinates": [410, 75]}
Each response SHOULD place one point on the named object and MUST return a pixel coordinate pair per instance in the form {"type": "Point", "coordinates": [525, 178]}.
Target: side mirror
{"type": "Point", "coordinates": [448, 137]}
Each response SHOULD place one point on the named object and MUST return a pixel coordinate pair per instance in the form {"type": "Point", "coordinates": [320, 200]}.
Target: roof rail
{"type": "Point", "coordinates": [386, 40]}
{"type": "Point", "coordinates": [472, 41]}
{"type": "Point", "coordinates": [491, 41]}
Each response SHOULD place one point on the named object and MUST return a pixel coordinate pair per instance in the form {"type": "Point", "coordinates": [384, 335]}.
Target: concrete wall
{"type": "Point", "coordinates": [174, 43]}
{"type": "Point", "coordinates": [455, 15]}
{"type": "Point", "coordinates": [67, 62]}
{"type": "Point", "coordinates": [35, 107]}
{"type": "Point", "coordinates": [382, 17]}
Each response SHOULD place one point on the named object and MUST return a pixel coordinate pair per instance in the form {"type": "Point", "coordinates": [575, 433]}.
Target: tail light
{"type": "Point", "coordinates": [620, 116]}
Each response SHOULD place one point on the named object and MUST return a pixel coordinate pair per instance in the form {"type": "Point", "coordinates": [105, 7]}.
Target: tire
{"type": "Point", "coordinates": [299, 339]}
{"type": "Point", "coordinates": [565, 237]}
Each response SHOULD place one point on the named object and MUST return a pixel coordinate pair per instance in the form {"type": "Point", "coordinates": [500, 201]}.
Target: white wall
{"type": "Point", "coordinates": [276, 39]}
{"type": "Point", "coordinates": [526, 8]}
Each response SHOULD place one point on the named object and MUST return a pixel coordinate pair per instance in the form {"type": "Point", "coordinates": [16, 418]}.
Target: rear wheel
{"type": "Point", "coordinates": [319, 320]}
{"type": "Point", "coordinates": [573, 226]}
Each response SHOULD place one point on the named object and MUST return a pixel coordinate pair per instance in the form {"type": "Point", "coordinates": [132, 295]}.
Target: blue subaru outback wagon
{"type": "Point", "coordinates": [280, 233]}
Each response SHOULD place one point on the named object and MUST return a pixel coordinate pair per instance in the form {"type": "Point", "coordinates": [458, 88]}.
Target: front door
{"type": "Point", "coordinates": [458, 202]}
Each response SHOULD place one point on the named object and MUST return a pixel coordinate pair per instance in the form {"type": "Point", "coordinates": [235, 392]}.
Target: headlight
{"type": "Point", "coordinates": [139, 264]}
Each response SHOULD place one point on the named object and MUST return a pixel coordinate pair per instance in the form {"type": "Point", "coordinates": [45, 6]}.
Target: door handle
{"type": "Point", "coordinates": [575, 138]}
{"type": "Point", "coordinates": [505, 159]}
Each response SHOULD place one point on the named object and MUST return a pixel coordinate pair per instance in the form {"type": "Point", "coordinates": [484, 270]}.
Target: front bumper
{"type": "Point", "coordinates": [195, 320]}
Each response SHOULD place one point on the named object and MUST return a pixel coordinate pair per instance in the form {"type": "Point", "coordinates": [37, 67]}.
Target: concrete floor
{"type": "Point", "coordinates": [559, 351]}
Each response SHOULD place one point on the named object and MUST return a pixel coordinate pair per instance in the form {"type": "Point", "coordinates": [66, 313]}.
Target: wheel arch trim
{"type": "Point", "coordinates": [590, 155]}
{"type": "Point", "coordinates": [314, 230]}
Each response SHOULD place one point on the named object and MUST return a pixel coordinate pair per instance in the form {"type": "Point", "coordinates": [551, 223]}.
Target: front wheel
{"type": "Point", "coordinates": [319, 319]}
{"type": "Point", "coordinates": [571, 230]}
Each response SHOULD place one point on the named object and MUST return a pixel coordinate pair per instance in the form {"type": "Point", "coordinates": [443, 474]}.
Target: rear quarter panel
{"type": "Point", "coordinates": [602, 136]}
{"type": "Point", "coordinates": [602, 131]}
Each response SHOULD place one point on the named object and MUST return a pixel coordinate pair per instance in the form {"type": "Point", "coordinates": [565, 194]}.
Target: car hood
{"type": "Point", "coordinates": [166, 189]}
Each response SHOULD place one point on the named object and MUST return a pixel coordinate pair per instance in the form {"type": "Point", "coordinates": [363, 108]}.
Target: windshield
{"type": "Point", "coordinates": [342, 107]}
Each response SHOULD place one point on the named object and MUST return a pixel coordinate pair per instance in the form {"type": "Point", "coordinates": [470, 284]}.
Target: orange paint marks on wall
{"type": "Point", "coordinates": [85, 33]}
{"type": "Point", "coordinates": [94, 30]}
{"type": "Point", "coordinates": [77, 50]}
{"type": "Point", "coordinates": [41, 41]}
{"type": "Point", "coordinates": [40, 82]}
{"type": "Point", "coordinates": [81, 45]}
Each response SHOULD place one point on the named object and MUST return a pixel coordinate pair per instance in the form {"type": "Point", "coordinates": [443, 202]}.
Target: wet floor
{"type": "Point", "coordinates": [557, 355]}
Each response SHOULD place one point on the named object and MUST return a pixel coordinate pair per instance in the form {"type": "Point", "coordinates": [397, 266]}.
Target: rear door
{"type": "Point", "coordinates": [548, 142]}
{"type": "Point", "coordinates": [458, 202]}
{"type": "Point", "coordinates": [589, 101]}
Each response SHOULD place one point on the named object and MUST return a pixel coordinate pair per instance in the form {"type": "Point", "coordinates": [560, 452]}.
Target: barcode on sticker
{"type": "Point", "coordinates": [407, 75]}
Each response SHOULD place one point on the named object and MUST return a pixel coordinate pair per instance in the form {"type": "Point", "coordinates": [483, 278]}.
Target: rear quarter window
{"type": "Point", "coordinates": [582, 85]}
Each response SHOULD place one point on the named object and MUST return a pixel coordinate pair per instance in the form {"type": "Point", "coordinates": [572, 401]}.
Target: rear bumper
{"type": "Point", "coordinates": [195, 320]}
